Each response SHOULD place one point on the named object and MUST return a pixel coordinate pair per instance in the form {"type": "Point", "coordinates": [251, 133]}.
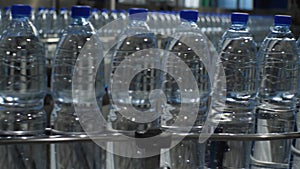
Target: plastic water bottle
{"type": "Point", "coordinates": [104, 18]}
{"type": "Point", "coordinates": [119, 23]}
{"type": "Point", "coordinates": [175, 20]}
{"type": "Point", "coordinates": [128, 46]}
{"type": "Point", "coordinates": [122, 14]}
{"type": "Point", "coordinates": [50, 34]}
{"type": "Point", "coordinates": [95, 18]}
{"type": "Point", "coordinates": [188, 153]}
{"type": "Point", "coordinates": [141, 85]}
{"type": "Point", "coordinates": [238, 54]}
{"type": "Point", "coordinates": [40, 20]}
{"type": "Point", "coordinates": [278, 65]}
{"type": "Point", "coordinates": [32, 16]}
{"type": "Point", "coordinates": [188, 32]}
{"type": "Point", "coordinates": [22, 91]}
{"type": "Point", "coordinates": [52, 25]}
{"type": "Point", "coordinates": [153, 21]}
{"type": "Point", "coordinates": [113, 15]}
{"type": "Point", "coordinates": [296, 154]}
{"type": "Point", "coordinates": [6, 17]}
{"type": "Point", "coordinates": [65, 119]}
{"type": "Point", "coordinates": [63, 20]}
{"type": "Point", "coordinates": [1, 20]}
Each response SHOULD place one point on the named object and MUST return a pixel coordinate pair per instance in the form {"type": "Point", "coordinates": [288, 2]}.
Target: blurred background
{"type": "Point", "coordinates": [253, 7]}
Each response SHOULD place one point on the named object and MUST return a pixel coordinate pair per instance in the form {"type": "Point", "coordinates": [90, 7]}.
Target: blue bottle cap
{"type": "Point", "coordinates": [141, 13]}
{"type": "Point", "coordinates": [122, 11]}
{"type": "Point", "coordinates": [95, 10]}
{"type": "Point", "coordinates": [189, 15]}
{"type": "Point", "coordinates": [81, 11]}
{"type": "Point", "coordinates": [114, 11]}
{"type": "Point", "coordinates": [20, 10]}
{"type": "Point", "coordinates": [239, 18]}
{"type": "Point", "coordinates": [63, 9]}
{"type": "Point", "coordinates": [282, 20]}
{"type": "Point", "coordinates": [174, 12]}
{"type": "Point", "coordinates": [52, 9]}
{"type": "Point", "coordinates": [6, 8]}
{"type": "Point", "coordinates": [41, 8]}
{"type": "Point", "coordinates": [104, 10]}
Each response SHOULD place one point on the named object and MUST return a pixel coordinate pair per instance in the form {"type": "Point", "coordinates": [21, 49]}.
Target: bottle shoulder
{"type": "Point", "coordinates": [137, 36]}
{"type": "Point", "coordinates": [237, 42]}
{"type": "Point", "coordinates": [237, 34]}
{"type": "Point", "coordinates": [286, 35]}
{"type": "Point", "coordinates": [279, 42]}
{"type": "Point", "coordinates": [19, 43]}
{"type": "Point", "coordinates": [20, 27]}
{"type": "Point", "coordinates": [76, 34]}
{"type": "Point", "coordinates": [70, 41]}
{"type": "Point", "coordinates": [135, 27]}
{"type": "Point", "coordinates": [187, 37]}
{"type": "Point", "coordinates": [82, 28]}
{"type": "Point", "coordinates": [187, 41]}
{"type": "Point", "coordinates": [137, 42]}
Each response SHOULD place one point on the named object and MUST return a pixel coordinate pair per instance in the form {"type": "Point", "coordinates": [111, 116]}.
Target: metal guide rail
{"type": "Point", "coordinates": [110, 136]}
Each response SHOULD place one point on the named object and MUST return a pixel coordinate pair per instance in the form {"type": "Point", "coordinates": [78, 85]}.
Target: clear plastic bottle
{"type": "Point", "coordinates": [168, 22]}
{"type": "Point", "coordinates": [50, 33]}
{"type": "Point", "coordinates": [51, 30]}
{"type": "Point", "coordinates": [65, 119]}
{"type": "Point", "coordinates": [119, 24]}
{"type": "Point", "coordinates": [1, 20]}
{"type": "Point", "coordinates": [40, 20]}
{"type": "Point", "coordinates": [141, 85]}
{"type": "Point", "coordinates": [238, 55]}
{"type": "Point", "coordinates": [113, 15]}
{"type": "Point", "coordinates": [161, 29]}
{"type": "Point", "coordinates": [95, 18]}
{"type": "Point", "coordinates": [122, 14]}
{"type": "Point", "coordinates": [278, 65]}
{"type": "Point", "coordinates": [153, 21]}
{"type": "Point", "coordinates": [63, 20]}
{"type": "Point", "coordinates": [161, 26]}
{"type": "Point", "coordinates": [188, 33]}
{"type": "Point", "coordinates": [139, 92]}
{"type": "Point", "coordinates": [22, 91]}
{"type": "Point", "coordinates": [188, 38]}
{"type": "Point", "coordinates": [32, 15]}
{"type": "Point", "coordinates": [175, 20]}
{"type": "Point", "coordinates": [6, 17]}
{"type": "Point", "coordinates": [296, 156]}
{"type": "Point", "coordinates": [104, 18]}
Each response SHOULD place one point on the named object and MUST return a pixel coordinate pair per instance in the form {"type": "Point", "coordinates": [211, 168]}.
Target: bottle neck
{"type": "Point", "coordinates": [238, 27]}
{"type": "Point", "coordinates": [188, 25]}
{"type": "Point", "coordinates": [20, 18]}
{"type": "Point", "coordinates": [80, 21]}
{"type": "Point", "coordinates": [20, 21]}
{"type": "Point", "coordinates": [79, 25]}
{"type": "Point", "coordinates": [281, 29]}
{"type": "Point", "coordinates": [140, 24]}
